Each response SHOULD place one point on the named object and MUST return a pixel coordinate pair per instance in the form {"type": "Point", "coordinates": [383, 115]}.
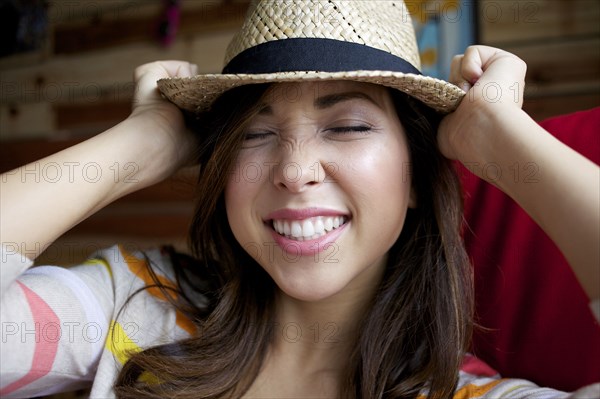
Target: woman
{"type": "Point", "coordinates": [329, 260]}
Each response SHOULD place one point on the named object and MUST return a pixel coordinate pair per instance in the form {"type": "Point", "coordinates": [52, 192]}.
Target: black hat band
{"type": "Point", "coordinates": [315, 54]}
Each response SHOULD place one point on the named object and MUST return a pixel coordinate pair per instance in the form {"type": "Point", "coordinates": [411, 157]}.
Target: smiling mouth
{"type": "Point", "coordinates": [307, 229]}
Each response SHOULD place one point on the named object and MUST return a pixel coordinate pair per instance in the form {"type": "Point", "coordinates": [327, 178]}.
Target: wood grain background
{"type": "Point", "coordinates": [79, 84]}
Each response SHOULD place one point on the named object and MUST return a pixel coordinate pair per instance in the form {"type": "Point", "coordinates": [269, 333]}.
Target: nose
{"type": "Point", "coordinates": [299, 171]}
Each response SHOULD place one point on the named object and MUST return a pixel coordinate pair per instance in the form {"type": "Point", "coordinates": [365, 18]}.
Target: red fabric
{"type": "Point", "coordinates": [542, 328]}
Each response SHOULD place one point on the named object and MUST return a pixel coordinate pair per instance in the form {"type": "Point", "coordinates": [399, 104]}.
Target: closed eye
{"type": "Point", "coordinates": [256, 136]}
{"type": "Point", "coordinates": [350, 129]}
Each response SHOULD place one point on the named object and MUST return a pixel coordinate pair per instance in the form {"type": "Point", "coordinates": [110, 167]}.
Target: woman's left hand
{"type": "Point", "coordinates": [494, 81]}
{"type": "Point", "coordinates": [490, 128]}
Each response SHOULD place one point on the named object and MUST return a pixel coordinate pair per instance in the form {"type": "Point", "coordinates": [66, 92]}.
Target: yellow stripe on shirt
{"type": "Point", "coordinates": [123, 347]}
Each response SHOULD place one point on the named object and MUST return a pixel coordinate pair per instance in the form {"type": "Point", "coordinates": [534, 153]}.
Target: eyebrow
{"type": "Point", "coordinates": [265, 109]}
{"type": "Point", "coordinates": [328, 101]}
{"type": "Point", "coordinates": [333, 99]}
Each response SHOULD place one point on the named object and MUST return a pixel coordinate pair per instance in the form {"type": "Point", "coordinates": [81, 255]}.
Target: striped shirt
{"type": "Point", "coordinates": [65, 329]}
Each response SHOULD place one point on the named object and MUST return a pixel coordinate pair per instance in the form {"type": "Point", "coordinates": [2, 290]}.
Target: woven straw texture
{"type": "Point", "coordinates": [384, 25]}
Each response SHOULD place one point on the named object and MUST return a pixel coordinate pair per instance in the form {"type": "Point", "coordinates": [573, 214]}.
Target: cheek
{"type": "Point", "coordinates": [242, 195]}
{"type": "Point", "coordinates": [380, 181]}
{"type": "Point", "coordinates": [382, 173]}
{"type": "Point", "coordinates": [241, 178]}
{"type": "Point", "coordinates": [236, 195]}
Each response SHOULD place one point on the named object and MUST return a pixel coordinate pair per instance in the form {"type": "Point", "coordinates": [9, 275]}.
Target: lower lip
{"type": "Point", "coordinates": [308, 247]}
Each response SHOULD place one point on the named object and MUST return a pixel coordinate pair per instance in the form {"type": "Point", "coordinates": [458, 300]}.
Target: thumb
{"type": "Point", "coordinates": [146, 76]}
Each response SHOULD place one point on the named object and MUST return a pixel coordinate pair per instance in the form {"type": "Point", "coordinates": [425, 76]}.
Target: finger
{"type": "Point", "coordinates": [471, 67]}
{"type": "Point", "coordinates": [503, 71]}
{"type": "Point", "coordinates": [455, 73]}
{"type": "Point", "coordinates": [495, 63]}
{"type": "Point", "coordinates": [166, 69]}
{"type": "Point", "coordinates": [455, 77]}
{"type": "Point", "coordinates": [146, 75]}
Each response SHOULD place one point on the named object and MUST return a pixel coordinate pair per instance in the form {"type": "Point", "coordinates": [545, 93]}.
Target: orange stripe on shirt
{"type": "Point", "coordinates": [470, 391]}
{"type": "Point", "coordinates": [475, 391]}
{"type": "Point", "coordinates": [139, 267]}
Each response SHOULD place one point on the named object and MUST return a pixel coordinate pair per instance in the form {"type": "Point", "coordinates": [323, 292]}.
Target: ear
{"type": "Point", "coordinates": [412, 199]}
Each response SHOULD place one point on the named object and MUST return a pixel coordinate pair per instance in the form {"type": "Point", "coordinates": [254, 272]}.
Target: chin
{"type": "Point", "coordinates": [309, 296]}
{"type": "Point", "coordinates": [308, 289]}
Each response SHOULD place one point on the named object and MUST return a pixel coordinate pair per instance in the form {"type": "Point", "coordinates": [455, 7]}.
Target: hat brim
{"type": "Point", "coordinates": [197, 93]}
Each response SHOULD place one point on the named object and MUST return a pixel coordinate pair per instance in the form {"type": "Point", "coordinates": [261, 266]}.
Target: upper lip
{"type": "Point", "coordinates": [304, 213]}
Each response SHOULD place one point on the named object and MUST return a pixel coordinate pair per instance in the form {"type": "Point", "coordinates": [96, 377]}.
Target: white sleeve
{"type": "Point", "coordinates": [12, 265]}
{"type": "Point", "coordinates": [54, 323]}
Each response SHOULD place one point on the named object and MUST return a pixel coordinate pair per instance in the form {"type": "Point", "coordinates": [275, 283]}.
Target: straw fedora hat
{"type": "Point", "coordinates": [313, 40]}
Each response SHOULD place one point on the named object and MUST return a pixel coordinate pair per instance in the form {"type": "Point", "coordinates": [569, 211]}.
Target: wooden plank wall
{"type": "Point", "coordinates": [88, 61]}
{"type": "Point", "coordinates": [560, 42]}
{"type": "Point", "coordinates": [79, 84]}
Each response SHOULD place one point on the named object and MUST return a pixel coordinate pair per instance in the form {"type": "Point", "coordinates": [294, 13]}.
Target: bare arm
{"type": "Point", "coordinates": [152, 141]}
{"type": "Point", "coordinates": [489, 128]}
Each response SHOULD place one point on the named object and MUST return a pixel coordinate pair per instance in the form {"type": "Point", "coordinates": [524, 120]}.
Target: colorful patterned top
{"type": "Point", "coordinates": [62, 330]}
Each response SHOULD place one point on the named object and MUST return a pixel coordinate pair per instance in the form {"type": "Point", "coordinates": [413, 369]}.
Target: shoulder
{"type": "Point", "coordinates": [133, 269]}
{"type": "Point", "coordinates": [143, 286]}
{"type": "Point", "coordinates": [478, 380]}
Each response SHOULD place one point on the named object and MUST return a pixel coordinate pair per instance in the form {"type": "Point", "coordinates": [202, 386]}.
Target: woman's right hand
{"type": "Point", "coordinates": [161, 123]}
{"type": "Point", "coordinates": [152, 142]}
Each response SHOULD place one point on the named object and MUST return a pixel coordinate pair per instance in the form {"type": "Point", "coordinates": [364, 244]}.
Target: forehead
{"type": "Point", "coordinates": [291, 92]}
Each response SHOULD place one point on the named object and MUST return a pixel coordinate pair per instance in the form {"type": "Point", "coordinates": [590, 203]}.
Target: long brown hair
{"type": "Point", "coordinates": [419, 324]}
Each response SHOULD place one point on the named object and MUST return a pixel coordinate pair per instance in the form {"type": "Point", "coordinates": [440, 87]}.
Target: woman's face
{"type": "Point", "coordinates": [321, 186]}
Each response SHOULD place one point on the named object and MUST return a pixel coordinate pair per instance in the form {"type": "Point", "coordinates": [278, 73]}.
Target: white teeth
{"type": "Point", "coordinates": [319, 227]}
{"type": "Point", "coordinates": [296, 229]}
{"type": "Point", "coordinates": [311, 228]}
{"type": "Point", "coordinates": [308, 230]}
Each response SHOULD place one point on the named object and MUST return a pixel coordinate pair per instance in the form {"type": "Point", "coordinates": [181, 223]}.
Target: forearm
{"type": "Point", "coordinates": [42, 200]}
{"type": "Point", "coordinates": [556, 186]}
